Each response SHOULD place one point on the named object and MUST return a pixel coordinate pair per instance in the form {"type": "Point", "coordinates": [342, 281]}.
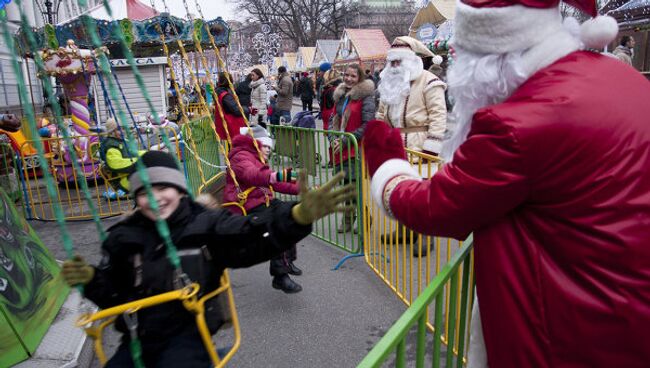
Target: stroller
{"type": "Point", "coordinates": [304, 119]}
{"type": "Point", "coordinates": [298, 144]}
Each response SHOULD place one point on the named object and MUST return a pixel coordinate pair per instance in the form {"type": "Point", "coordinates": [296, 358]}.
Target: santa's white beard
{"type": "Point", "coordinates": [475, 81]}
{"type": "Point", "coordinates": [395, 85]}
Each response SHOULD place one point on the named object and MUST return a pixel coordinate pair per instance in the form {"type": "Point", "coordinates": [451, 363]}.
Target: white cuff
{"type": "Point", "coordinates": [432, 145]}
{"type": "Point", "coordinates": [385, 173]}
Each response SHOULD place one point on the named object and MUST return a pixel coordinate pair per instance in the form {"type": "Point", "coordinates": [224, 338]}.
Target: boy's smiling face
{"type": "Point", "coordinates": [167, 197]}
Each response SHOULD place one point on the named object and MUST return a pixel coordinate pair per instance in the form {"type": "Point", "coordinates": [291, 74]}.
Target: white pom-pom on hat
{"type": "Point", "coordinates": [598, 32]}
{"type": "Point", "coordinates": [437, 59]}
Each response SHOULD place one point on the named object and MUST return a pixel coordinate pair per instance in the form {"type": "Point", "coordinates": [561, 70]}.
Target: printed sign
{"type": "Point", "coordinates": [426, 33]}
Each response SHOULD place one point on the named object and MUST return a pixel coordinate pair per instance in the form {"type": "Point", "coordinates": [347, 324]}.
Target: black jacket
{"type": "Point", "coordinates": [223, 240]}
{"type": "Point", "coordinates": [243, 91]}
{"type": "Point", "coordinates": [306, 89]}
{"type": "Point", "coordinates": [230, 105]}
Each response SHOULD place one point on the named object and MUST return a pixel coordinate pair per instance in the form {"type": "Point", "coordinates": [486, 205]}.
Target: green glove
{"type": "Point", "coordinates": [320, 202]}
{"type": "Point", "coordinates": [76, 271]}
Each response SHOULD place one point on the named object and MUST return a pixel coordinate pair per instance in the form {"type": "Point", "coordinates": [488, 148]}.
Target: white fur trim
{"type": "Point", "coordinates": [502, 30]}
{"type": "Point", "coordinates": [432, 145]}
{"type": "Point", "coordinates": [598, 32]}
{"type": "Point", "coordinates": [385, 173]}
{"type": "Point", "coordinates": [556, 46]}
{"type": "Point", "coordinates": [410, 60]}
{"type": "Point", "coordinates": [400, 53]}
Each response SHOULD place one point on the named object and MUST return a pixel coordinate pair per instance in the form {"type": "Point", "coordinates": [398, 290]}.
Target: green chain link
{"type": "Point", "coordinates": [141, 170]}
{"type": "Point", "coordinates": [126, 50]}
{"type": "Point", "coordinates": [29, 112]}
{"type": "Point", "coordinates": [47, 84]}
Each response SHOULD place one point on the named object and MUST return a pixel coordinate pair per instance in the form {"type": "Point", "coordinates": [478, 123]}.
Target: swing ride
{"type": "Point", "coordinates": [75, 146]}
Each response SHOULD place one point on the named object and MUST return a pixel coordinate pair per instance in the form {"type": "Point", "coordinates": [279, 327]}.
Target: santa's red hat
{"type": "Point", "coordinates": [501, 26]}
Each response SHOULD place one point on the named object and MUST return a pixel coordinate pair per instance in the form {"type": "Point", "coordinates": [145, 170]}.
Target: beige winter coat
{"type": "Point", "coordinates": [285, 93]}
{"type": "Point", "coordinates": [258, 98]}
{"type": "Point", "coordinates": [422, 116]}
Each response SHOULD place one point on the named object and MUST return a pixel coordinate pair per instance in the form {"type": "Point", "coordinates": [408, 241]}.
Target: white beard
{"type": "Point", "coordinates": [395, 85]}
{"type": "Point", "coordinates": [476, 81]}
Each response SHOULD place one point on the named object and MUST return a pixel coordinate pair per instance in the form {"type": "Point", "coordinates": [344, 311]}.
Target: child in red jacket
{"type": "Point", "coordinates": [257, 182]}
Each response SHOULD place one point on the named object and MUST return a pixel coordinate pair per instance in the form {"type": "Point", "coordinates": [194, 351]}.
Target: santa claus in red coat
{"type": "Point", "coordinates": [549, 167]}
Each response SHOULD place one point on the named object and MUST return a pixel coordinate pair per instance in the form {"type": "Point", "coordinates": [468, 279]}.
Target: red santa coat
{"type": "Point", "coordinates": [555, 184]}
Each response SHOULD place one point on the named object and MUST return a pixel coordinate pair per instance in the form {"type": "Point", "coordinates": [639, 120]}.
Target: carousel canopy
{"type": "Point", "coordinates": [140, 25]}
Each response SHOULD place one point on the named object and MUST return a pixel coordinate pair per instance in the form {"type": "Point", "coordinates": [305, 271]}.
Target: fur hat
{"type": "Point", "coordinates": [259, 133]}
{"type": "Point", "coordinates": [162, 170]}
{"type": "Point", "coordinates": [502, 26]}
{"type": "Point", "coordinates": [410, 43]}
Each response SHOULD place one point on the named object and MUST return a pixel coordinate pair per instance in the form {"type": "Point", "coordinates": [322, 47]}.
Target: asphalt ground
{"type": "Point", "coordinates": [333, 322]}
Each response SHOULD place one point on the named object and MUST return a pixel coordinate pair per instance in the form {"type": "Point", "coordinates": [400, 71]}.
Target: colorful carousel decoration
{"type": "Point", "coordinates": [141, 36]}
{"type": "Point", "coordinates": [72, 66]}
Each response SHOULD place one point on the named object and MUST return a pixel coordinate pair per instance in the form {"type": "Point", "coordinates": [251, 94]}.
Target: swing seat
{"type": "Point", "coordinates": [215, 188]}
{"type": "Point", "coordinates": [94, 324]}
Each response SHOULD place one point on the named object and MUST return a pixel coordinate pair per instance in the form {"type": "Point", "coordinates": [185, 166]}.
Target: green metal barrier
{"type": "Point", "coordinates": [309, 150]}
{"type": "Point", "coordinates": [452, 290]}
{"type": "Point", "coordinates": [201, 149]}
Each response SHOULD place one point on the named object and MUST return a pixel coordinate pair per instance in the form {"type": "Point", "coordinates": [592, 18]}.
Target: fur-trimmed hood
{"type": "Point", "coordinates": [358, 92]}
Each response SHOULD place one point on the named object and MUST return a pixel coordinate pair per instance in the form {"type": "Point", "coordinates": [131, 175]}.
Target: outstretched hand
{"type": "Point", "coordinates": [77, 272]}
{"type": "Point", "coordinates": [320, 202]}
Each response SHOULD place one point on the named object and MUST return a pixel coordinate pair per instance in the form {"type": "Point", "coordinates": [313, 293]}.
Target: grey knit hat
{"type": "Point", "coordinates": [162, 170]}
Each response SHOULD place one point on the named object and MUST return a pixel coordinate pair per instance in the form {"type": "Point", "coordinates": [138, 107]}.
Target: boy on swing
{"type": "Point", "coordinates": [135, 266]}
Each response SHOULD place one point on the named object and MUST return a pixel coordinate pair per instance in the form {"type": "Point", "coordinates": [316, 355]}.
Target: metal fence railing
{"type": "Point", "coordinates": [310, 150]}
{"type": "Point", "coordinates": [448, 300]}
{"type": "Point", "coordinates": [405, 260]}
{"type": "Point", "coordinates": [202, 158]}
{"type": "Point", "coordinates": [69, 190]}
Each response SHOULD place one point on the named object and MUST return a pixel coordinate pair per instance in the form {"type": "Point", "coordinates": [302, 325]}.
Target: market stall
{"type": "Point", "coordinates": [367, 47]}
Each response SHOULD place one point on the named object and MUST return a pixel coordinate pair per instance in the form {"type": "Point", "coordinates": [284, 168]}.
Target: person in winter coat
{"type": "Point", "coordinates": [284, 101]}
{"type": "Point", "coordinates": [260, 182]}
{"type": "Point", "coordinates": [307, 92]}
{"type": "Point", "coordinates": [331, 80]}
{"type": "Point", "coordinates": [234, 120]}
{"type": "Point", "coordinates": [413, 99]}
{"type": "Point", "coordinates": [548, 168]}
{"type": "Point", "coordinates": [244, 90]}
{"type": "Point", "coordinates": [625, 50]}
{"type": "Point", "coordinates": [354, 108]}
{"type": "Point", "coordinates": [116, 157]}
{"type": "Point", "coordinates": [259, 97]}
{"type": "Point", "coordinates": [135, 263]}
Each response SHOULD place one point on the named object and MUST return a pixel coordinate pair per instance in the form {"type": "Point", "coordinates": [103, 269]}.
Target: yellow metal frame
{"type": "Point", "coordinates": [392, 259]}
{"type": "Point", "coordinates": [69, 193]}
{"type": "Point", "coordinates": [94, 324]}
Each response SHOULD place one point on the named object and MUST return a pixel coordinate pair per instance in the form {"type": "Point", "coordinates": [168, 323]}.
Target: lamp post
{"type": "Point", "coordinates": [267, 46]}
{"type": "Point", "coordinates": [49, 10]}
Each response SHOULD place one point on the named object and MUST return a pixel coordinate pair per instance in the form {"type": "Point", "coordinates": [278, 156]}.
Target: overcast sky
{"type": "Point", "coordinates": [211, 8]}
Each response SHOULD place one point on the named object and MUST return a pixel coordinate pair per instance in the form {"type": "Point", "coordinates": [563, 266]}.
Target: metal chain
{"type": "Point", "coordinates": [197, 44]}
